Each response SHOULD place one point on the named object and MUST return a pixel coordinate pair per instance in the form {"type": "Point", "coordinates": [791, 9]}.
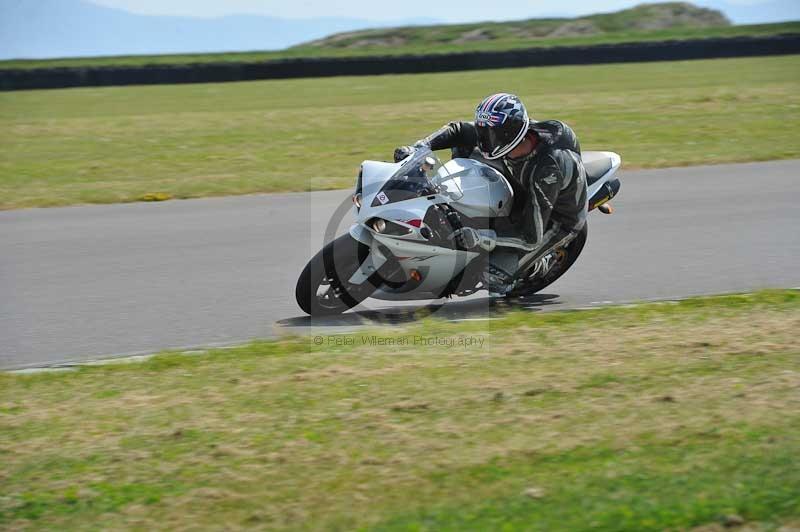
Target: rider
{"type": "Point", "coordinates": [543, 161]}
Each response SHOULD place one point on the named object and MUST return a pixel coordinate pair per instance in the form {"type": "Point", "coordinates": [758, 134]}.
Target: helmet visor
{"type": "Point", "coordinates": [494, 142]}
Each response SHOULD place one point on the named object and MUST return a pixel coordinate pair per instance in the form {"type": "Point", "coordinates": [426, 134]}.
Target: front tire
{"type": "Point", "coordinates": [323, 290]}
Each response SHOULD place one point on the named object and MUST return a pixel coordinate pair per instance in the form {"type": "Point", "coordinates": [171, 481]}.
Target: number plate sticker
{"type": "Point", "coordinates": [383, 198]}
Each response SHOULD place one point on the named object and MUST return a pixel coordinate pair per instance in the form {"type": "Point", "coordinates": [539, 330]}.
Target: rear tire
{"type": "Point", "coordinates": [332, 267]}
{"type": "Point", "coordinates": [537, 284]}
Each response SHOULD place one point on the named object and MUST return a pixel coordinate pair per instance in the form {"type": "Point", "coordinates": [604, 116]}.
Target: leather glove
{"type": "Point", "coordinates": [402, 152]}
{"type": "Point", "coordinates": [470, 238]}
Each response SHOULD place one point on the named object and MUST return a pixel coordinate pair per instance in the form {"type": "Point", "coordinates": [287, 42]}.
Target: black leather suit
{"type": "Point", "coordinates": [549, 184]}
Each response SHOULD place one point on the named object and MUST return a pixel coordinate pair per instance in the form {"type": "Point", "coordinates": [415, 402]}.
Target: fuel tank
{"type": "Point", "coordinates": [484, 192]}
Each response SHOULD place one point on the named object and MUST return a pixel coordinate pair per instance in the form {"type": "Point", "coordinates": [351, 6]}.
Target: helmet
{"type": "Point", "coordinates": [501, 121]}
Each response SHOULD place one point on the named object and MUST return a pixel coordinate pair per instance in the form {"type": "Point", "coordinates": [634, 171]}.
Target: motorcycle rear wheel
{"type": "Point", "coordinates": [565, 260]}
{"type": "Point", "coordinates": [323, 290]}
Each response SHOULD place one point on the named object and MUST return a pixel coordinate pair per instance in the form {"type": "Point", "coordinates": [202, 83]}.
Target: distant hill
{"type": "Point", "coordinates": [642, 18]}
{"type": "Point", "coordinates": [159, 40]}
{"type": "Point", "coordinates": [75, 28]}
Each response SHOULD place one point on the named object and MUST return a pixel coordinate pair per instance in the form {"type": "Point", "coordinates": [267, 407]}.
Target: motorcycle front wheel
{"type": "Point", "coordinates": [323, 290]}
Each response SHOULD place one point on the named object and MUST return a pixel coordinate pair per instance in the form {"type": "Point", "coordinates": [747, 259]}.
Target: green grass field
{"type": "Point", "coordinates": [101, 145]}
{"type": "Point", "coordinates": [657, 417]}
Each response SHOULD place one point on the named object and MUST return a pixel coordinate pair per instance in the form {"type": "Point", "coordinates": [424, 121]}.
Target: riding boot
{"type": "Point", "coordinates": [500, 272]}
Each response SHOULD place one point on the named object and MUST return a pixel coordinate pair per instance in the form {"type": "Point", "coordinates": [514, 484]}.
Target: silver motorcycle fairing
{"type": "Point", "coordinates": [361, 233]}
{"type": "Point", "coordinates": [615, 161]}
{"type": "Point", "coordinates": [480, 194]}
{"type": "Point", "coordinates": [439, 265]}
{"type": "Point", "coordinates": [371, 264]}
{"type": "Point", "coordinates": [412, 251]}
{"type": "Point", "coordinates": [486, 192]}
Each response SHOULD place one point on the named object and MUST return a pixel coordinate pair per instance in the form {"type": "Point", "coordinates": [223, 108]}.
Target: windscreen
{"type": "Point", "coordinates": [420, 175]}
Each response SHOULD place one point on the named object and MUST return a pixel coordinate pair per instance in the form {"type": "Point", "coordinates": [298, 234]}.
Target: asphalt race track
{"type": "Point", "coordinates": [81, 283]}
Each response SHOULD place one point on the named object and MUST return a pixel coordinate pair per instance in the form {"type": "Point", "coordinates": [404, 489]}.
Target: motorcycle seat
{"type": "Point", "coordinates": [597, 165]}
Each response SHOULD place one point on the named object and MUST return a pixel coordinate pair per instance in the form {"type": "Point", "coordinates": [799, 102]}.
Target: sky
{"type": "Point", "coordinates": [445, 10]}
{"type": "Point", "coordinates": [79, 28]}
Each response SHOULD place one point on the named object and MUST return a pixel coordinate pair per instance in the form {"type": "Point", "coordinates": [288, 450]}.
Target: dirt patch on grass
{"type": "Point", "coordinates": [478, 34]}
{"type": "Point", "coordinates": [577, 28]}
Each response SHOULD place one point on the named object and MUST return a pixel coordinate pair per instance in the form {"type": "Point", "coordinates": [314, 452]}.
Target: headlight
{"type": "Point", "coordinates": [387, 227]}
{"type": "Point", "coordinates": [357, 200]}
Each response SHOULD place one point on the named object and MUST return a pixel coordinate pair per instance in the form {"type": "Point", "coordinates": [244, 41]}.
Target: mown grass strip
{"type": "Point", "coordinates": [128, 143]}
{"type": "Point", "coordinates": [640, 418]}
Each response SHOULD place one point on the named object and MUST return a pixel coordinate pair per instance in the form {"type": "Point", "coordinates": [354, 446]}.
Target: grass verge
{"type": "Point", "coordinates": [661, 416]}
{"type": "Point", "coordinates": [103, 145]}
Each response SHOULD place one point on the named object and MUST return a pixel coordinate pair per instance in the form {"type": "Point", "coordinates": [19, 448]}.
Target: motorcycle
{"type": "Point", "coordinates": [402, 246]}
